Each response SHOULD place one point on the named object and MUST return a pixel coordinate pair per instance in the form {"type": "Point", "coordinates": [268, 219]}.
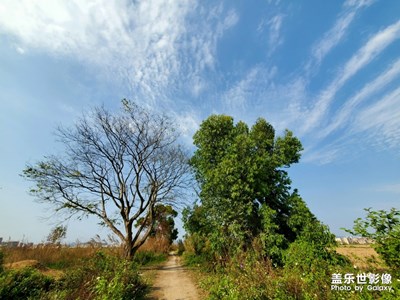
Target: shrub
{"type": "Point", "coordinates": [383, 227]}
{"type": "Point", "coordinates": [103, 277]}
{"type": "Point", "coordinates": [181, 247]}
{"type": "Point", "coordinates": [149, 257]}
{"type": "Point", "coordinates": [27, 283]}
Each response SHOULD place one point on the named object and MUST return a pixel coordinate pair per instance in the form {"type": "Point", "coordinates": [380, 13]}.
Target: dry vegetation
{"type": "Point", "coordinates": [362, 256]}
{"type": "Point", "coordinates": [50, 256]}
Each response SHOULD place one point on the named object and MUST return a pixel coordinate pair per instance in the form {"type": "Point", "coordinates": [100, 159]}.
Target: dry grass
{"type": "Point", "coordinates": [31, 263]}
{"type": "Point", "coordinates": [156, 244]}
{"type": "Point", "coordinates": [362, 256]}
{"type": "Point", "coordinates": [52, 257]}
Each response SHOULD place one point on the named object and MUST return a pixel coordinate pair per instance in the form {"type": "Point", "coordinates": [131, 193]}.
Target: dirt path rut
{"type": "Point", "coordinates": [173, 282]}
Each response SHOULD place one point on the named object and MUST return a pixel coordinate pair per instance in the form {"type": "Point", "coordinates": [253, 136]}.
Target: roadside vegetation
{"type": "Point", "coordinates": [75, 272]}
{"type": "Point", "coordinates": [254, 237]}
{"type": "Point", "coordinates": [86, 271]}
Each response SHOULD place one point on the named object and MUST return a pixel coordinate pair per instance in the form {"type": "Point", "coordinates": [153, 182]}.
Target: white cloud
{"type": "Point", "coordinates": [140, 37]}
{"type": "Point", "coordinates": [271, 27]}
{"type": "Point", "coordinates": [20, 50]}
{"type": "Point", "coordinates": [342, 118]}
{"type": "Point", "coordinates": [203, 35]}
{"type": "Point", "coordinates": [332, 37]}
{"type": "Point", "coordinates": [189, 123]}
{"type": "Point", "coordinates": [275, 38]}
{"type": "Point", "coordinates": [238, 95]}
{"type": "Point", "coordinates": [336, 34]}
{"type": "Point", "coordinates": [381, 120]}
{"type": "Point", "coordinates": [374, 46]}
{"type": "Point", "coordinates": [152, 42]}
{"type": "Point", "coordinates": [321, 157]}
{"type": "Point", "coordinates": [358, 3]}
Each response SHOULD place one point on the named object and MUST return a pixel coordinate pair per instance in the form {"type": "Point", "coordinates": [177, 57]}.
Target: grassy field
{"type": "Point", "coordinates": [362, 256]}
{"type": "Point", "coordinates": [61, 272]}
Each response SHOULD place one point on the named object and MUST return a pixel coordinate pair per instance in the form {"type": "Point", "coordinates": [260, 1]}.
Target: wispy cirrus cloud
{"type": "Point", "coordinates": [147, 44]}
{"type": "Point", "coordinates": [140, 38]}
{"type": "Point", "coordinates": [269, 30]}
{"type": "Point", "coordinates": [371, 49]}
{"type": "Point", "coordinates": [342, 118]}
{"type": "Point", "coordinates": [275, 38]}
{"type": "Point", "coordinates": [382, 120]}
{"type": "Point", "coordinates": [253, 83]}
{"type": "Point", "coordinates": [336, 34]}
{"type": "Point", "coordinates": [198, 54]}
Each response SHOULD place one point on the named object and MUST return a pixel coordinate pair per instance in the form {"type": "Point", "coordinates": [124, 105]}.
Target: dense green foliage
{"type": "Point", "coordinates": [251, 233]}
{"type": "Point", "coordinates": [245, 193]}
{"type": "Point", "coordinates": [24, 284]}
{"type": "Point", "coordinates": [144, 258]}
{"type": "Point", "coordinates": [164, 224]}
{"type": "Point", "coordinates": [384, 228]}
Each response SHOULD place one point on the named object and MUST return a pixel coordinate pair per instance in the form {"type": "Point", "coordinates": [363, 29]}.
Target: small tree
{"type": "Point", "coordinates": [117, 167]}
{"type": "Point", "coordinates": [57, 234]}
{"type": "Point", "coordinates": [164, 224]}
{"type": "Point", "coordinates": [384, 228]}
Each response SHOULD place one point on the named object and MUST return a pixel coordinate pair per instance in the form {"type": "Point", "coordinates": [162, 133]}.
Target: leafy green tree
{"type": "Point", "coordinates": [164, 225]}
{"type": "Point", "coordinates": [384, 228]}
{"type": "Point", "coordinates": [244, 187]}
{"type": "Point", "coordinates": [116, 167]}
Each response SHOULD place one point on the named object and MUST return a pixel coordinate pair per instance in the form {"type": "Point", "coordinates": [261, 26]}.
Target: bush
{"type": "Point", "coordinates": [248, 277]}
{"type": "Point", "coordinates": [181, 247]}
{"type": "Point", "coordinates": [27, 283]}
{"type": "Point", "coordinates": [383, 227]}
{"type": "Point", "coordinates": [149, 257]}
{"type": "Point", "coordinates": [104, 277]}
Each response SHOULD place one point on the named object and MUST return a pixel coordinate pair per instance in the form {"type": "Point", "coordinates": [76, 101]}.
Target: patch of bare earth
{"type": "Point", "coordinates": [173, 282]}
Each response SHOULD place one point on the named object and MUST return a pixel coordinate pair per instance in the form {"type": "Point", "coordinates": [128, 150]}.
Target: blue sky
{"type": "Point", "coordinates": [327, 70]}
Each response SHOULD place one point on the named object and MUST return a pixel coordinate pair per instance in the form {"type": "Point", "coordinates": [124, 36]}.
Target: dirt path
{"type": "Point", "coordinates": [173, 282]}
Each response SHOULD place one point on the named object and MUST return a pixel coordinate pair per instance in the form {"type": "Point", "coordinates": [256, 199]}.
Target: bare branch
{"type": "Point", "coordinates": [115, 164]}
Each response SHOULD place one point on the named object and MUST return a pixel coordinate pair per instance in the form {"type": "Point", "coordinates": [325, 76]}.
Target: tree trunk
{"type": "Point", "coordinates": [129, 250]}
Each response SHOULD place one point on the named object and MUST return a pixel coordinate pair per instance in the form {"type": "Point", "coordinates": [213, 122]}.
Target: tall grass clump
{"type": "Point", "coordinates": [55, 257]}
{"type": "Point", "coordinates": [104, 277]}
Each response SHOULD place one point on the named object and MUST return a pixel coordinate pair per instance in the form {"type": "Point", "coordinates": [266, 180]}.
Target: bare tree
{"type": "Point", "coordinates": [116, 167]}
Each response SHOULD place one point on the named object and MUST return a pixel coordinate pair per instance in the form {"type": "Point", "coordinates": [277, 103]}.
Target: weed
{"type": "Point", "coordinates": [149, 258]}
{"type": "Point", "coordinates": [24, 284]}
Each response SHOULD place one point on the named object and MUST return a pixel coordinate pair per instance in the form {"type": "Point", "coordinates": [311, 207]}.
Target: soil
{"type": "Point", "coordinates": [173, 282]}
